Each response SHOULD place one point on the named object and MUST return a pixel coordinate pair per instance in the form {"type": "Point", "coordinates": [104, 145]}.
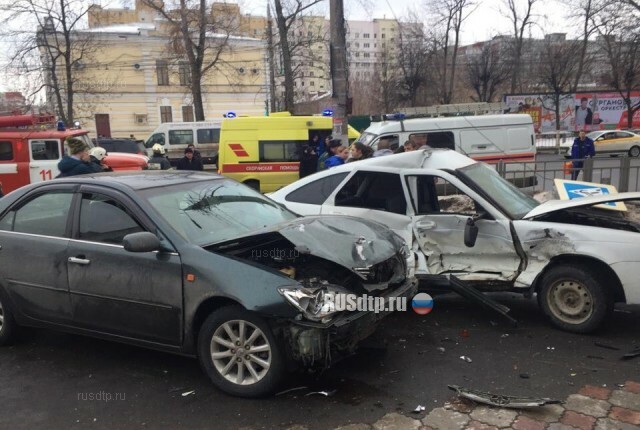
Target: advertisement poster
{"type": "Point", "coordinates": [578, 111]}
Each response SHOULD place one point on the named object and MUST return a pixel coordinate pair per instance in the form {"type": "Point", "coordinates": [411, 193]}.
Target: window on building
{"type": "Point", "coordinates": [357, 45]}
{"type": "Point", "coordinates": [366, 45]}
{"type": "Point", "coordinates": [311, 74]}
{"type": "Point", "coordinates": [365, 55]}
{"type": "Point", "coordinates": [348, 44]}
{"type": "Point", "coordinates": [184, 73]}
{"type": "Point", "coordinates": [357, 55]}
{"type": "Point", "coordinates": [187, 114]}
{"type": "Point", "coordinates": [357, 35]}
{"type": "Point", "coordinates": [375, 35]}
{"type": "Point", "coordinates": [384, 45]}
{"type": "Point", "coordinates": [162, 70]}
{"type": "Point", "coordinates": [312, 84]}
{"type": "Point", "coordinates": [366, 35]}
{"type": "Point", "coordinates": [302, 84]}
{"type": "Point", "coordinates": [165, 114]}
{"type": "Point", "coordinates": [383, 36]}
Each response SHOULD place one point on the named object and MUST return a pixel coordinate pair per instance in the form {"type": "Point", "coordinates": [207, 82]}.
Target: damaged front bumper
{"type": "Point", "coordinates": [317, 345]}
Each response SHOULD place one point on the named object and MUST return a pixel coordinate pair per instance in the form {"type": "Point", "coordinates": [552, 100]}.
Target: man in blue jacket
{"type": "Point", "coordinates": [582, 148]}
{"type": "Point", "coordinates": [77, 163]}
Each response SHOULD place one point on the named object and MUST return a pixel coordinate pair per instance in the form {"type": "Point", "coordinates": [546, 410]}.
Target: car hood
{"type": "Point", "coordinates": [558, 205]}
{"type": "Point", "coordinates": [348, 241]}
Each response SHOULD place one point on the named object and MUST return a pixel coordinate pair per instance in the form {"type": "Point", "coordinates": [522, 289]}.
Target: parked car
{"type": "Point", "coordinates": [123, 145]}
{"type": "Point", "coordinates": [612, 142]}
{"type": "Point", "coordinates": [196, 264]}
{"type": "Point", "coordinates": [462, 218]}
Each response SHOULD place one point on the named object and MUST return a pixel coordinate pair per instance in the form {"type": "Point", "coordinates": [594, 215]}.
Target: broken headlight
{"type": "Point", "coordinates": [315, 304]}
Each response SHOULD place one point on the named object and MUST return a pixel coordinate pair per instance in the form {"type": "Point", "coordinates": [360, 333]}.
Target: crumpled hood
{"type": "Point", "coordinates": [558, 205]}
{"type": "Point", "coordinates": [348, 241]}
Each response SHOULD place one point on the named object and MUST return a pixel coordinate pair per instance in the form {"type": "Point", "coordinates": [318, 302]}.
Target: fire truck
{"type": "Point", "coordinates": [32, 145]}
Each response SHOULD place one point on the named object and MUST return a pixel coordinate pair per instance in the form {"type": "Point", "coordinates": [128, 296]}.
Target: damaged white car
{"type": "Point", "coordinates": [463, 219]}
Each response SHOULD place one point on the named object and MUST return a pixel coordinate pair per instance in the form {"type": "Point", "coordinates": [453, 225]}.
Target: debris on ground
{"type": "Point", "coordinates": [472, 294]}
{"type": "Point", "coordinates": [322, 393]}
{"type": "Point", "coordinates": [465, 358]}
{"type": "Point", "coordinates": [501, 400]}
{"type": "Point", "coordinates": [188, 393]}
{"type": "Point", "coordinates": [632, 354]}
{"type": "Point", "coordinates": [291, 390]}
{"type": "Point", "coordinates": [524, 376]}
{"type": "Point", "coordinates": [605, 346]}
{"type": "Point", "coordinates": [419, 409]}
{"type": "Point", "coordinates": [441, 349]}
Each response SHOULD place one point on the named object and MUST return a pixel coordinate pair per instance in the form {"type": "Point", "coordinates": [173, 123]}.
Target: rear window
{"type": "Point", "coordinates": [180, 137]}
{"type": "Point", "coordinates": [209, 135]}
{"type": "Point", "coordinates": [6, 151]}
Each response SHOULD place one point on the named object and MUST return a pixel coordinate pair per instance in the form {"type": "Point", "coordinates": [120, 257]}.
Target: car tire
{"type": "Point", "coordinates": [574, 298]}
{"type": "Point", "coordinates": [247, 374]}
{"type": "Point", "coordinates": [8, 325]}
{"type": "Point", "coordinates": [634, 151]}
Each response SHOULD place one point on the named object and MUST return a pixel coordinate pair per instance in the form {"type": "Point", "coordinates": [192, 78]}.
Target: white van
{"type": "Point", "coordinates": [488, 138]}
{"type": "Point", "coordinates": [175, 136]}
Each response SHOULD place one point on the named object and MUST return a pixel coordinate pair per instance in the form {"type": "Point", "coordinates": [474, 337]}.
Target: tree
{"type": "Point", "coordinates": [620, 42]}
{"type": "Point", "coordinates": [449, 15]}
{"type": "Point", "coordinates": [287, 16]}
{"type": "Point", "coordinates": [413, 59]}
{"type": "Point", "coordinates": [55, 54]}
{"type": "Point", "coordinates": [521, 20]}
{"type": "Point", "coordinates": [487, 71]}
{"type": "Point", "coordinates": [201, 33]}
{"type": "Point", "coordinates": [557, 67]}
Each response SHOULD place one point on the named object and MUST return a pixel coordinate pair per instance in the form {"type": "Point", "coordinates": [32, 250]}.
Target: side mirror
{"type": "Point", "coordinates": [470, 233]}
{"type": "Point", "coordinates": [141, 242]}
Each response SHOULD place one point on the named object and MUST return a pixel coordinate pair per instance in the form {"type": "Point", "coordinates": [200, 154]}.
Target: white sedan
{"type": "Point", "coordinates": [463, 219]}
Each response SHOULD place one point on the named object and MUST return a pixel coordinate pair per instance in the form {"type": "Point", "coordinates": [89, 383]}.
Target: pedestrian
{"type": "Point", "coordinates": [318, 145]}
{"type": "Point", "coordinates": [159, 160]}
{"type": "Point", "coordinates": [384, 148]}
{"type": "Point", "coordinates": [196, 153]}
{"type": "Point", "coordinates": [189, 161]}
{"type": "Point", "coordinates": [582, 148]}
{"type": "Point", "coordinates": [77, 163]}
{"type": "Point", "coordinates": [342, 153]}
{"type": "Point", "coordinates": [308, 160]}
{"type": "Point", "coordinates": [96, 157]}
{"type": "Point", "coordinates": [360, 151]}
{"type": "Point", "coordinates": [584, 115]}
{"type": "Point", "coordinates": [331, 151]}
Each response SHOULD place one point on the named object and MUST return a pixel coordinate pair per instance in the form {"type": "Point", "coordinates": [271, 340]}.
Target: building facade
{"type": "Point", "coordinates": [135, 80]}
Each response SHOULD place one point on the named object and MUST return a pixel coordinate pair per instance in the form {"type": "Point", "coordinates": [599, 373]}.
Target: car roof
{"type": "Point", "coordinates": [139, 180]}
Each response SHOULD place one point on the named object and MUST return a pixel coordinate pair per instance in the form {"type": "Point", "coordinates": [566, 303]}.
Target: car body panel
{"type": "Point", "coordinates": [558, 205]}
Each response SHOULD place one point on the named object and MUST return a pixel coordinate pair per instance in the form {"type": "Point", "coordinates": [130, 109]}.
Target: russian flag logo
{"type": "Point", "coordinates": [422, 303]}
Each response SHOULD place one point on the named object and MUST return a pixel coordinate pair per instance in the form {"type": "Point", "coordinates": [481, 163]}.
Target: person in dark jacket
{"type": "Point", "coordinates": [332, 146]}
{"type": "Point", "coordinates": [159, 161]}
{"type": "Point", "coordinates": [77, 163]}
{"type": "Point", "coordinates": [308, 160]}
{"type": "Point", "coordinates": [97, 156]}
{"type": "Point", "coordinates": [360, 151]}
{"type": "Point", "coordinates": [196, 153]}
{"type": "Point", "coordinates": [189, 162]}
{"type": "Point", "coordinates": [582, 148]}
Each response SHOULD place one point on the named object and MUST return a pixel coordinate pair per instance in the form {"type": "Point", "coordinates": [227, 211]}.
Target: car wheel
{"type": "Point", "coordinates": [239, 353]}
{"type": "Point", "coordinates": [574, 298]}
{"type": "Point", "coordinates": [7, 323]}
{"type": "Point", "coordinates": [634, 151]}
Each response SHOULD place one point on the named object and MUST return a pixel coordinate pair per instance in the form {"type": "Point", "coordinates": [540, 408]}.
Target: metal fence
{"type": "Point", "coordinates": [622, 172]}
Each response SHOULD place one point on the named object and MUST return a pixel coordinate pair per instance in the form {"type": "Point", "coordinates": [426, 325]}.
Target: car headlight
{"type": "Point", "coordinates": [316, 304]}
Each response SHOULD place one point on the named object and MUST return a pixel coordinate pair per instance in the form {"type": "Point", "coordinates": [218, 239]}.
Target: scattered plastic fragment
{"type": "Point", "coordinates": [441, 349]}
{"type": "Point", "coordinates": [290, 390]}
{"type": "Point", "coordinates": [551, 348]}
{"type": "Point", "coordinates": [505, 335]}
{"type": "Point", "coordinates": [605, 346]}
{"type": "Point", "coordinates": [524, 376]}
{"type": "Point", "coordinates": [465, 358]}
{"type": "Point", "coordinates": [322, 393]}
{"type": "Point", "coordinates": [188, 393]}
{"type": "Point", "coordinates": [500, 400]}
{"type": "Point", "coordinates": [419, 409]}
{"type": "Point", "coordinates": [632, 354]}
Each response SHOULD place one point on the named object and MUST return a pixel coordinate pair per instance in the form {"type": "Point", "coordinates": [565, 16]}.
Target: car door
{"type": "Point", "coordinates": [375, 195]}
{"type": "Point", "coordinates": [34, 236]}
{"type": "Point", "coordinates": [623, 142]}
{"type": "Point", "coordinates": [45, 156]}
{"type": "Point", "coordinates": [136, 295]}
{"type": "Point", "coordinates": [605, 142]}
{"type": "Point", "coordinates": [442, 205]}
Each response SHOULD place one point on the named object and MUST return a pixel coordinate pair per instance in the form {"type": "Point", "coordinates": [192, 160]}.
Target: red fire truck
{"type": "Point", "coordinates": [32, 145]}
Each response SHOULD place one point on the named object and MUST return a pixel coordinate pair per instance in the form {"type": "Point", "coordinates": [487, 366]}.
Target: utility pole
{"type": "Point", "coordinates": [338, 52]}
{"type": "Point", "coordinates": [272, 76]}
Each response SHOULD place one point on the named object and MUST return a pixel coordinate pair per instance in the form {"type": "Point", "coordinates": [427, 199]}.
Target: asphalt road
{"type": "Point", "coordinates": [49, 379]}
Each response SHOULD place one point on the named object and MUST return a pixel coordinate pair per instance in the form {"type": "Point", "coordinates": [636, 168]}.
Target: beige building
{"type": "Point", "coordinates": [132, 83]}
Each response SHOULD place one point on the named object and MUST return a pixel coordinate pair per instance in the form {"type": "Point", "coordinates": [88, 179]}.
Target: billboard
{"type": "Point", "coordinates": [578, 111]}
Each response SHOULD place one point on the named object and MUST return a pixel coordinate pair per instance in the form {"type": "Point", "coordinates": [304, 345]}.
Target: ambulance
{"type": "Point", "coordinates": [31, 146]}
{"type": "Point", "coordinates": [263, 152]}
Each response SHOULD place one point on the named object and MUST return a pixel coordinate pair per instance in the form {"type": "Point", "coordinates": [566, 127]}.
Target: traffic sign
{"type": "Point", "coordinates": [569, 190]}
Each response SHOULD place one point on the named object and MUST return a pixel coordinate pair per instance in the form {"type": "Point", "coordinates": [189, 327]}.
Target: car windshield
{"type": "Point", "coordinates": [214, 211]}
{"type": "Point", "coordinates": [367, 138]}
{"type": "Point", "coordinates": [516, 203]}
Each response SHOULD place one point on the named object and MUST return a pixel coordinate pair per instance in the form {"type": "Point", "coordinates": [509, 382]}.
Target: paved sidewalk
{"type": "Point", "coordinates": [592, 407]}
